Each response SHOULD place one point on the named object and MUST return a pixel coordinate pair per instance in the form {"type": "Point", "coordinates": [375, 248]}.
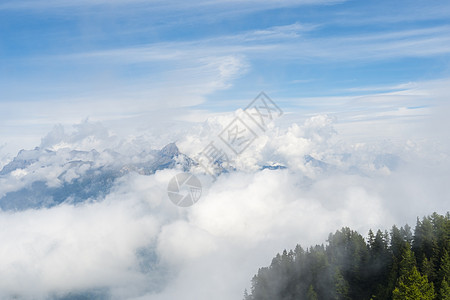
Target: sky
{"type": "Point", "coordinates": [144, 64]}
{"type": "Point", "coordinates": [363, 86]}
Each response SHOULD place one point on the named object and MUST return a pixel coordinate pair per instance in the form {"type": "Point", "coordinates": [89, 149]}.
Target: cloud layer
{"type": "Point", "coordinates": [135, 244]}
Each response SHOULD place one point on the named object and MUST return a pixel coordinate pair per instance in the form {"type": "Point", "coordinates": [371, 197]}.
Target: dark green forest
{"type": "Point", "coordinates": [400, 264]}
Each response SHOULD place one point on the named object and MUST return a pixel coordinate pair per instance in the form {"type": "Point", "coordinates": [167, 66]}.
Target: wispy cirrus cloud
{"type": "Point", "coordinates": [289, 42]}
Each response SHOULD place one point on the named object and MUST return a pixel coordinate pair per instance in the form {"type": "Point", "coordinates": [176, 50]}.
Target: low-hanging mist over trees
{"type": "Point", "coordinates": [399, 264]}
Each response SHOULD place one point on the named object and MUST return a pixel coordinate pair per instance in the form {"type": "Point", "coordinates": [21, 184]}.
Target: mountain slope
{"type": "Point", "coordinates": [44, 178]}
{"type": "Point", "coordinates": [396, 265]}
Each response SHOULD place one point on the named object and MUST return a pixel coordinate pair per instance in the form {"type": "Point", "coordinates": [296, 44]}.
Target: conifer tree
{"type": "Point", "coordinates": [311, 295]}
{"type": "Point", "coordinates": [444, 273]}
{"type": "Point", "coordinates": [444, 270]}
{"type": "Point", "coordinates": [444, 292]}
{"type": "Point", "coordinates": [428, 268]}
{"type": "Point", "coordinates": [411, 285]}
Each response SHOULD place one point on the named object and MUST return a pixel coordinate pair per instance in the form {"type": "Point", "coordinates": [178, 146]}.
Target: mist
{"type": "Point", "coordinates": [135, 243]}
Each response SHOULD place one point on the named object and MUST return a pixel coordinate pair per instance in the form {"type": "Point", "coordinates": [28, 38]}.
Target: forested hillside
{"type": "Point", "coordinates": [399, 264]}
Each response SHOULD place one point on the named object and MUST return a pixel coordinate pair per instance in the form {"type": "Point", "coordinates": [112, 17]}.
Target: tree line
{"type": "Point", "coordinates": [399, 264]}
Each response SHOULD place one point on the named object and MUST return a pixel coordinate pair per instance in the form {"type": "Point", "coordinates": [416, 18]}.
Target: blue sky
{"type": "Point", "coordinates": [64, 61]}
